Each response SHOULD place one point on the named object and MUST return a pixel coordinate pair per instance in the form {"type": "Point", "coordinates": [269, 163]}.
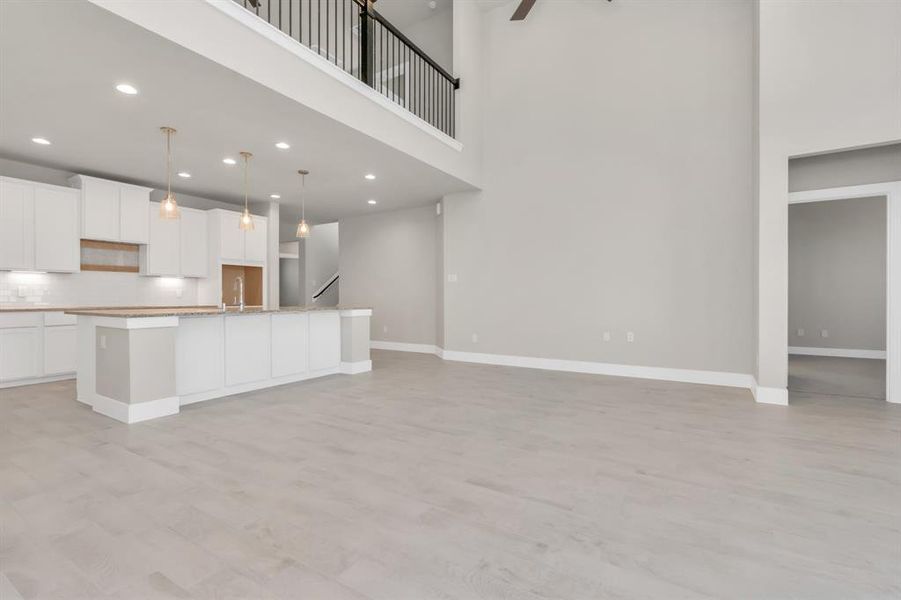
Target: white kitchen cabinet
{"type": "Point", "coordinates": [247, 347]}
{"type": "Point", "coordinates": [237, 246]}
{"type": "Point", "coordinates": [56, 229]}
{"type": "Point", "coordinates": [325, 337]}
{"type": "Point", "coordinates": [199, 361]}
{"type": "Point", "coordinates": [290, 340]}
{"type": "Point", "coordinates": [112, 211]}
{"type": "Point", "coordinates": [39, 228]}
{"type": "Point", "coordinates": [20, 349]}
{"type": "Point", "coordinates": [193, 244]}
{"type": "Point", "coordinates": [161, 255]}
{"type": "Point", "coordinates": [59, 349]}
{"type": "Point", "coordinates": [134, 218]}
{"type": "Point", "coordinates": [16, 224]}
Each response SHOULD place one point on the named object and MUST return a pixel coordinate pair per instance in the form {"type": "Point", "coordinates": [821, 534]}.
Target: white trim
{"type": "Point", "coordinates": [272, 33]}
{"type": "Point", "coordinates": [35, 380]}
{"type": "Point", "coordinates": [355, 312]}
{"type": "Point", "coordinates": [770, 395]}
{"type": "Point", "coordinates": [403, 347]}
{"type": "Point", "coordinates": [231, 390]}
{"type": "Point", "coordinates": [839, 352]}
{"type": "Point", "coordinates": [741, 380]}
{"type": "Point", "coordinates": [137, 412]}
{"type": "Point", "coordinates": [892, 192]}
{"type": "Point", "coordinates": [135, 322]}
{"type": "Point", "coordinates": [352, 368]}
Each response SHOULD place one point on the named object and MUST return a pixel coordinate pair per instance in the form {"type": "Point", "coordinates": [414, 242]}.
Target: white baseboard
{"type": "Point", "coordinates": [723, 378]}
{"type": "Point", "coordinates": [404, 347]}
{"type": "Point", "coordinates": [135, 413]}
{"type": "Point", "coordinates": [34, 380]}
{"type": "Point", "coordinates": [770, 395]}
{"type": "Point", "coordinates": [839, 352]}
{"type": "Point", "coordinates": [352, 368]}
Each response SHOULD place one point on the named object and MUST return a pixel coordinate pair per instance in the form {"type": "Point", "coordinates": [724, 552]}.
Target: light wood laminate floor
{"type": "Point", "coordinates": [431, 479]}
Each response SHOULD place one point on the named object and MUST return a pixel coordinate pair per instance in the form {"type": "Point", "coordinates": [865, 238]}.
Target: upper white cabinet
{"type": "Point", "coordinates": [39, 229]}
{"type": "Point", "coordinates": [113, 211]}
{"type": "Point", "coordinates": [16, 224]}
{"type": "Point", "coordinates": [177, 247]}
{"type": "Point", "coordinates": [56, 243]}
{"type": "Point", "coordinates": [236, 246]}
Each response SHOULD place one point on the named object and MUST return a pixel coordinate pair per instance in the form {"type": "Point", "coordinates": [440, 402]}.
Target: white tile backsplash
{"type": "Point", "coordinates": [94, 288]}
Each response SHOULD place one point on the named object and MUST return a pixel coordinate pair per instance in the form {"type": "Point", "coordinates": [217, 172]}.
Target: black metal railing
{"type": "Point", "coordinates": [355, 37]}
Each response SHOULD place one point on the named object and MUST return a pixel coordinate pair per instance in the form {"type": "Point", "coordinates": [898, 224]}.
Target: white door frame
{"type": "Point", "coordinates": [892, 192]}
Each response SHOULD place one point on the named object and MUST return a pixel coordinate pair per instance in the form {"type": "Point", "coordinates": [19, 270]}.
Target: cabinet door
{"type": "Point", "coordinates": [16, 225]}
{"type": "Point", "coordinates": [247, 349]}
{"type": "Point", "coordinates": [289, 344]}
{"type": "Point", "coordinates": [56, 246]}
{"type": "Point", "coordinates": [100, 210]}
{"type": "Point", "coordinates": [325, 340]}
{"type": "Point", "coordinates": [134, 214]}
{"type": "Point", "coordinates": [256, 241]}
{"type": "Point", "coordinates": [194, 251]}
{"type": "Point", "coordinates": [162, 248]}
{"type": "Point", "coordinates": [59, 349]}
{"type": "Point", "coordinates": [19, 356]}
{"type": "Point", "coordinates": [231, 238]}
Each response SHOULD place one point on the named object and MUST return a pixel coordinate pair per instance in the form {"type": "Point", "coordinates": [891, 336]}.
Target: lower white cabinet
{"type": "Point", "coordinates": [199, 360]}
{"type": "Point", "coordinates": [325, 337]}
{"type": "Point", "coordinates": [20, 353]}
{"type": "Point", "coordinates": [247, 347]}
{"type": "Point", "coordinates": [290, 339]}
{"type": "Point", "coordinates": [59, 349]}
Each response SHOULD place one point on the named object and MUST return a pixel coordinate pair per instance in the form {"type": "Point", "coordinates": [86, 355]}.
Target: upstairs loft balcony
{"type": "Point", "coordinates": [354, 37]}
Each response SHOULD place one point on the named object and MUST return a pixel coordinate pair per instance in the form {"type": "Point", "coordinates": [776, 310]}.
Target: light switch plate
{"type": "Point", "coordinates": [452, 278]}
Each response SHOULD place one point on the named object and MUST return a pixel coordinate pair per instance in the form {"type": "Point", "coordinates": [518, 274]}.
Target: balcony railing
{"type": "Point", "coordinates": [356, 38]}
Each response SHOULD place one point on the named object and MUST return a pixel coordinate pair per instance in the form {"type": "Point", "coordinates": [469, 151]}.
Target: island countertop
{"type": "Point", "coordinates": [203, 311]}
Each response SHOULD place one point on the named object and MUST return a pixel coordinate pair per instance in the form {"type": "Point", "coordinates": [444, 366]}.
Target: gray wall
{"type": "Point", "coordinates": [852, 167]}
{"type": "Point", "coordinates": [388, 261]}
{"type": "Point", "coordinates": [289, 281]}
{"type": "Point", "coordinates": [836, 273]}
{"type": "Point", "coordinates": [320, 253]}
{"type": "Point", "coordinates": [625, 207]}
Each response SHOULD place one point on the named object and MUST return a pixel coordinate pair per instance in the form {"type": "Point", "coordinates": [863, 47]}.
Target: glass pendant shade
{"type": "Point", "coordinates": [246, 221]}
{"type": "Point", "coordinates": [303, 230]}
{"type": "Point", "coordinates": [169, 207]}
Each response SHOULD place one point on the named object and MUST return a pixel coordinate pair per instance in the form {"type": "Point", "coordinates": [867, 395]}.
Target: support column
{"type": "Point", "coordinates": [355, 340]}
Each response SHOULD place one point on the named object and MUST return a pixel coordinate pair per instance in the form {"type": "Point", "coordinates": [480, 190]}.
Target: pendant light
{"type": "Point", "coordinates": [246, 221]}
{"type": "Point", "coordinates": [169, 207]}
{"type": "Point", "coordinates": [303, 230]}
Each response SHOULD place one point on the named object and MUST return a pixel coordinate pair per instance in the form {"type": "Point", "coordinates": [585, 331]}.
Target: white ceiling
{"type": "Point", "coordinates": [403, 13]}
{"type": "Point", "coordinates": [60, 62]}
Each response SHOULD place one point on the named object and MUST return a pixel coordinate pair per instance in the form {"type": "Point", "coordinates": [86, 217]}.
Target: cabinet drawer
{"type": "Point", "coordinates": [59, 318]}
{"type": "Point", "coordinates": [20, 319]}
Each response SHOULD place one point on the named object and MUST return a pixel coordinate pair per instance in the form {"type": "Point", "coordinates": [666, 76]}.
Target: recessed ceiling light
{"type": "Point", "coordinates": [127, 88]}
{"type": "Point", "coordinates": [229, 161]}
{"type": "Point", "coordinates": [184, 174]}
{"type": "Point", "coordinates": [274, 196]}
{"type": "Point", "coordinates": [372, 202]}
{"type": "Point", "coordinates": [282, 145]}
{"type": "Point", "coordinates": [41, 141]}
{"type": "Point", "coordinates": [370, 176]}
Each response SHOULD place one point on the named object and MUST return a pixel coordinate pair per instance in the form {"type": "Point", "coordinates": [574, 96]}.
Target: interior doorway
{"type": "Point", "coordinates": [845, 292]}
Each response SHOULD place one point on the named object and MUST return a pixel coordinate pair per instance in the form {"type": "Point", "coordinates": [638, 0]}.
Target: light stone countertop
{"type": "Point", "coordinates": [202, 311]}
{"type": "Point", "coordinates": [10, 308]}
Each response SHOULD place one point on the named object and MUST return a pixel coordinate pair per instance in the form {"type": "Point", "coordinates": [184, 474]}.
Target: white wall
{"type": "Point", "coordinates": [829, 79]}
{"type": "Point", "coordinates": [320, 254]}
{"type": "Point", "coordinates": [435, 36]}
{"type": "Point", "coordinates": [837, 277]}
{"type": "Point", "coordinates": [389, 261]}
{"type": "Point", "coordinates": [619, 201]}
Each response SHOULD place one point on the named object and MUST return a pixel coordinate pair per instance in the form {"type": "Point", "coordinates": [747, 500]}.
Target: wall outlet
{"type": "Point", "coordinates": [824, 333]}
{"type": "Point", "coordinates": [475, 338]}
{"type": "Point", "coordinates": [178, 292]}
{"type": "Point", "coordinates": [630, 336]}
{"type": "Point", "coordinates": [452, 278]}
{"type": "Point", "coordinates": [800, 333]}
{"type": "Point", "coordinates": [103, 342]}
{"type": "Point", "coordinates": [606, 336]}
{"type": "Point", "coordinates": [23, 291]}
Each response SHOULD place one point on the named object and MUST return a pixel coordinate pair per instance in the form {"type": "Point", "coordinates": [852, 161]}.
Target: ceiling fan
{"type": "Point", "coordinates": [523, 9]}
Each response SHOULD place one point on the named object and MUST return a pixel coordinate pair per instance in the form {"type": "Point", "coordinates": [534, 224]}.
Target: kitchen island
{"type": "Point", "coordinates": [140, 364]}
